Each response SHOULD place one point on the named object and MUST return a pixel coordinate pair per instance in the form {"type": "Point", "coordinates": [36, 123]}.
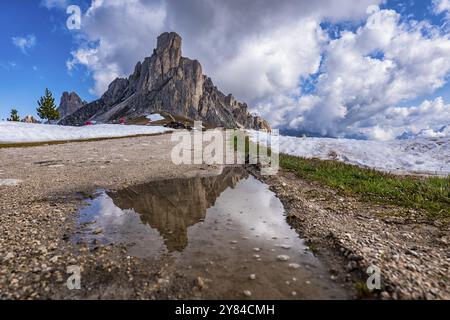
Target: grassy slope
{"type": "Point", "coordinates": [431, 195]}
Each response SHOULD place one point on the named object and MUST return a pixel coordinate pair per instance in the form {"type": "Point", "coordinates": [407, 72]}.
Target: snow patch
{"type": "Point", "coordinates": [415, 156]}
{"type": "Point", "coordinates": [155, 117]}
{"type": "Point", "coordinates": [14, 132]}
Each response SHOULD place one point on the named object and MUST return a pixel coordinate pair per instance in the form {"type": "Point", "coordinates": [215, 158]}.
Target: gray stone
{"type": "Point", "coordinates": [247, 293]}
{"type": "Point", "coordinates": [352, 265]}
{"type": "Point", "coordinates": [283, 258]}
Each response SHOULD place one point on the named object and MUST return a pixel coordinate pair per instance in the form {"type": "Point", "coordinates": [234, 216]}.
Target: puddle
{"type": "Point", "coordinates": [230, 230]}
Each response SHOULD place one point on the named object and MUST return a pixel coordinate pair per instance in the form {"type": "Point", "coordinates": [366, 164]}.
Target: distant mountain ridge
{"type": "Point", "coordinates": [427, 133]}
{"type": "Point", "coordinates": [168, 82]}
{"type": "Point", "coordinates": [70, 103]}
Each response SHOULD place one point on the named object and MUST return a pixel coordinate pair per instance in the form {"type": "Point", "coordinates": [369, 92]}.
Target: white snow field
{"type": "Point", "coordinates": [415, 156]}
{"type": "Point", "coordinates": [16, 132]}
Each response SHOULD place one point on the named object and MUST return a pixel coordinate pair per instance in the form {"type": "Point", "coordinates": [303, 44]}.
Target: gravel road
{"type": "Point", "coordinates": [40, 191]}
{"type": "Point", "coordinates": [42, 187]}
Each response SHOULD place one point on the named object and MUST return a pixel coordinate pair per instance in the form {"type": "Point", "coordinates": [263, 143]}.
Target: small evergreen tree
{"type": "Point", "coordinates": [14, 116]}
{"type": "Point", "coordinates": [47, 108]}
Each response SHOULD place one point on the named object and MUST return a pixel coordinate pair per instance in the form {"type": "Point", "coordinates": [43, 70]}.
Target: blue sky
{"type": "Point", "coordinates": [35, 47]}
{"type": "Point", "coordinates": [25, 75]}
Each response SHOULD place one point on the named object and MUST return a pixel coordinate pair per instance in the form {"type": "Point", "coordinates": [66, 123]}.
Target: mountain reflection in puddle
{"type": "Point", "coordinates": [173, 206]}
{"type": "Point", "coordinates": [223, 228]}
{"type": "Point", "coordinates": [169, 207]}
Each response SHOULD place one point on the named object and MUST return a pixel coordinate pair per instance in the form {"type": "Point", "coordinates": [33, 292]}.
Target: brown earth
{"type": "Point", "coordinates": [350, 235]}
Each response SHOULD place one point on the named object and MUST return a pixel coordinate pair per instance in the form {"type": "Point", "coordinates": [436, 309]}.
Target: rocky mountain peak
{"type": "Point", "coordinates": [169, 41]}
{"type": "Point", "coordinates": [70, 103]}
{"type": "Point", "coordinates": [168, 51]}
{"type": "Point", "coordinates": [168, 82]}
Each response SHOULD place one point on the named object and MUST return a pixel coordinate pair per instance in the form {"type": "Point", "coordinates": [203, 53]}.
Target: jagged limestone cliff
{"type": "Point", "coordinates": [169, 82]}
{"type": "Point", "coordinates": [70, 103]}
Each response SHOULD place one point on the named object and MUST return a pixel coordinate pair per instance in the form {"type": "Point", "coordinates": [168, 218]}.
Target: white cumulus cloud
{"type": "Point", "coordinates": [385, 62]}
{"type": "Point", "coordinates": [441, 6]}
{"type": "Point", "coordinates": [431, 115]}
{"type": "Point", "coordinates": [24, 43]}
{"type": "Point", "coordinates": [285, 37]}
{"type": "Point", "coordinates": [123, 33]}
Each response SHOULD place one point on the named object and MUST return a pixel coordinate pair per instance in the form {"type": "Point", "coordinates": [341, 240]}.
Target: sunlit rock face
{"type": "Point", "coordinates": [169, 82]}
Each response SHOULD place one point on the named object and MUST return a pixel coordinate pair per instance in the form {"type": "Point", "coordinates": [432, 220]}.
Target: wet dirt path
{"type": "Point", "coordinates": [228, 234]}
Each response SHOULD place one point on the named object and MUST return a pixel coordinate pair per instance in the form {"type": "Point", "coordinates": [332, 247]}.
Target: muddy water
{"type": "Point", "coordinates": [230, 230]}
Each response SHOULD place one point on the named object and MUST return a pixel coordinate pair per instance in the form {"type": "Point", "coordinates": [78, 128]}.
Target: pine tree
{"type": "Point", "coordinates": [14, 116]}
{"type": "Point", "coordinates": [47, 108]}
